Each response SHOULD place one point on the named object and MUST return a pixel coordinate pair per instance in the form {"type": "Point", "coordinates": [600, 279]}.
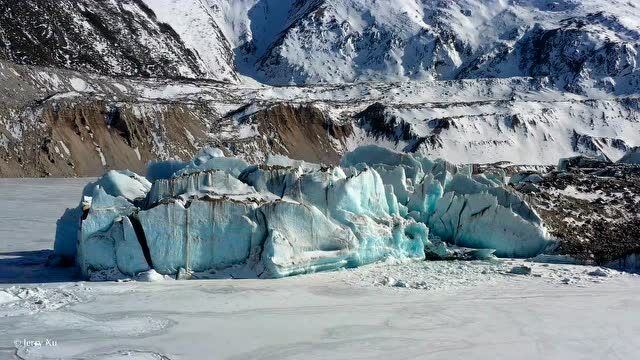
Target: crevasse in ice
{"type": "Point", "coordinates": [288, 217]}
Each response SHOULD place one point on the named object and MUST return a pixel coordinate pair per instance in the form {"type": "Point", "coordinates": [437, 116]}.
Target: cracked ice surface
{"type": "Point", "coordinates": [288, 217]}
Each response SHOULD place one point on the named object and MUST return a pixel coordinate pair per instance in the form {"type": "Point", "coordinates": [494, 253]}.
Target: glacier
{"type": "Point", "coordinates": [287, 217]}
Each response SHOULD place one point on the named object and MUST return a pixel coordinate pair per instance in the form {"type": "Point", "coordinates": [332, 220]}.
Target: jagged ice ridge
{"type": "Point", "coordinates": [287, 217]}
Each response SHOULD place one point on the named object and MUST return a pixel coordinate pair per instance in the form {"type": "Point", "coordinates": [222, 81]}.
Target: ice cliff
{"type": "Point", "coordinates": [289, 217]}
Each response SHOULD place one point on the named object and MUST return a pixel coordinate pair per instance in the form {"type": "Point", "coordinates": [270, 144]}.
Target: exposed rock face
{"type": "Point", "coordinates": [108, 37]}
{"type": "Point", "coordinates": [600, 147]}
{"type": "Point", "coordinates": [301, 131]}
{"type": "Point", "coordinates": [507, 121]}
{"type": "Point", "coordinates": [382, 123]}
{"type": "Point", "coordinates": [375, 121]}
{"type": "Point", "coordinates": [505, 127]}
{"type": "Point", "coordinates": [521, 81]}
{"type": "Point", "coordinates": [87, 137]}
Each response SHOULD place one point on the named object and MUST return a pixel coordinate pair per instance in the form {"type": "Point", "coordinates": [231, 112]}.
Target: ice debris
{"type": "Point", "coordinates": [520, 270]}
{"type": "Point", "coordinates": [598, 273]}
{"type": "Point", "coordinates": [289, 217]}
{"type": "Point", "coordinates": [630, 262]}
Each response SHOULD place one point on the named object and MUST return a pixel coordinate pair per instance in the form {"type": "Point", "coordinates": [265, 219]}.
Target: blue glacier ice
{"type": "Point", "coordinates": [478, 221]}
{"type": "Point", "coordinates": [288, 217]}
{"type": "Point", "coordinates": [126, 184]}
{"type": "Point", "coordinates": [67, 230]}
{"type": "Point", "coordinates": [95, 242]}
{"type": "Point", "coordinates": [374, 155]}
{"type": "Point", "coordinates": [300, 239]}
{"type": "Point", "coordinates": [200, 235]}
{"type": "Point", "coordinates": [214, 182]}
{"type": "Point", "coordinates": [130, 257]}
{"type": "Point", "coordinates": [163, 169]}
{"type": "Point", "coordinates": [213, 159]}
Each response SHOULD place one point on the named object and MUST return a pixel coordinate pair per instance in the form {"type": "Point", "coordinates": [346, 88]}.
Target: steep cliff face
{"type": "Point", "coordinates": [63, 123]}
{"type": "Point", "coordinates": [299, 131]}
{"type": "Point", "coordinates": [471, 81]}
{"type": "Point", "coordinates": [195, 24]}
{"type": "Point", "coordinates": [87, 137]}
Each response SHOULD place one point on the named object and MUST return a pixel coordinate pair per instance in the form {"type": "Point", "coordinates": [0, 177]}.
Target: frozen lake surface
{"type": "Point", "coordinates": [425, 310]}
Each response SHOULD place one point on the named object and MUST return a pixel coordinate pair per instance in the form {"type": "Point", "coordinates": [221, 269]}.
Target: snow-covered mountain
{"type": "Point", "coordinates": [577, 43]}
{"type": "Point", "coordinates": [110, 37]}
{"type": "Point", "coordinates": [526, 81]}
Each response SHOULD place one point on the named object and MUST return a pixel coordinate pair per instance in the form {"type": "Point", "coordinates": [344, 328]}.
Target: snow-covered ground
{"type": "Point", "coordinates": [406, 310]}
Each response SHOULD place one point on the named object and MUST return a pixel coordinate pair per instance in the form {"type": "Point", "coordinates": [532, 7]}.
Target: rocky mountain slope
{"type": "Point", "coordinates": [93, 85]}
{"type": "Point", "coordinates": [578, 44]}
{"type": "Point", "coordinates": [108, 37]}
{"type": "Point", "coordinates": [63, 123]}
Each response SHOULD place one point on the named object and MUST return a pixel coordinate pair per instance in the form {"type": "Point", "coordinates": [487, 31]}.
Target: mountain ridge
{"type": "Point", "coordinates": [525, 81]}
{"type": "Point", "coordinates": [578, 44]}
